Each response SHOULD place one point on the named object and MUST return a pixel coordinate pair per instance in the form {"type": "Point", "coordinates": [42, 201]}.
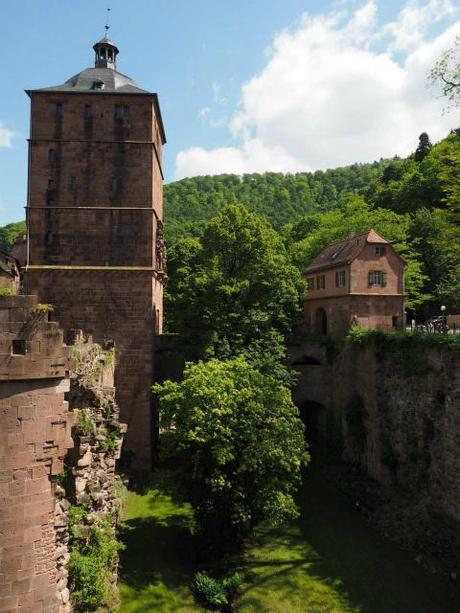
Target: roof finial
{"type": "Point", "coordinates": [107, 27]}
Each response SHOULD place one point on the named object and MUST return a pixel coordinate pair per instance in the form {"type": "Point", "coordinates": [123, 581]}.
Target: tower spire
{"type": "Point", "coordinates": [107, 27]}
{"type": "Point", "coordinates": [106, 51]}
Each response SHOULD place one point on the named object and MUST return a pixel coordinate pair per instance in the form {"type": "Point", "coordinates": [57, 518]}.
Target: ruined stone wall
{"type": "Point", "coordinates": [393, 412]}
{"type": "Point", "coordinates": [47, 461]}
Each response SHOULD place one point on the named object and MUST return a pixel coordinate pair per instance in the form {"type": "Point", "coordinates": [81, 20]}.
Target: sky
{"type": "Point", "coordinates": [244, 85]}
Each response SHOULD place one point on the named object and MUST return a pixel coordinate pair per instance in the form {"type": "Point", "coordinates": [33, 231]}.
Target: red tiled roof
{"type": "Point", "coordinates": [344, 251]}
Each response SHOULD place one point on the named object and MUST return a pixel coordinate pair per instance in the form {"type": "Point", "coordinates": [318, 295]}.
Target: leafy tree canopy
{"type": "Point", "coordinates": [244, 444]}
{"type": "Point", "coordinates": [10, 232]}
{"type": "Point", "coordinates": [446, 74]}
{"type": "Point", "coordinates": [233, 287]}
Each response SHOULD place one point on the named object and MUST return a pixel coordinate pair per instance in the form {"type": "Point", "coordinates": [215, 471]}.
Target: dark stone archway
{"type": "Point", "coordinates": [313, 415]}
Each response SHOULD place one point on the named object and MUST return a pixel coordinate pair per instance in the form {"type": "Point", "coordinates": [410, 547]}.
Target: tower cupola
{"type": "Point", "coordinates": [106, 53]}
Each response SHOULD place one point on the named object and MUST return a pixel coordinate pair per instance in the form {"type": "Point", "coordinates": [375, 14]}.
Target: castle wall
{"type": "Point", "coordinates": [121, 306]}
{"type": "Point", "coordinates": [393, 412]}
{"type": "Point", "coordinates": [366, 310]}
{"type": "Point", "coordinates": [35, 434]}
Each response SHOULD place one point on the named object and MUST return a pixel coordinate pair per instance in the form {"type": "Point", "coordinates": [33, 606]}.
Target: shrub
{"type": "Point", "coordinates": [6, 291]}
{"type": "Point", "coordinates": [84, 423]}
{"type": "Point", "coordinates": [93, 553]}
{"type": "Point", "coordinates": [216, 593]}
{"type": "Point", "coordinates": [110, 444]}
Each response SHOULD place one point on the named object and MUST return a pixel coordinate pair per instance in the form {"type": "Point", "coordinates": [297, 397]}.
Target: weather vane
{"type": "Point", "coordinates": [107, 27]}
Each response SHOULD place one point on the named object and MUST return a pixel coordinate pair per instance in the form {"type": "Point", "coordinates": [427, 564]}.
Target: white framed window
{"type": "Point", "coordinates": [380, 250]}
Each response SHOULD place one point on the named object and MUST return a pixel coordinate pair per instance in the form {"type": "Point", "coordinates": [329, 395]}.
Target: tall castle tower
{"type": "Point", "coordinates": [95, 233]}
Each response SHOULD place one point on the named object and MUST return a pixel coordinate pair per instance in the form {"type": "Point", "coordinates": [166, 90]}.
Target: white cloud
{"type": "Point", "coordinates": [6, 136]}
{"type": "Point", "coordinates": [337, 89]}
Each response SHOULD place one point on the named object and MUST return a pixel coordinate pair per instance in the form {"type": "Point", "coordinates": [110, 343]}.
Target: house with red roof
{"type": "Point", "coordinates": [356, 281]}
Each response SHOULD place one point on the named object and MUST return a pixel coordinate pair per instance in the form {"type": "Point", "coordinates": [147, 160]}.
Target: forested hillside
{"type": "Point", "coordinates": [278, 197]}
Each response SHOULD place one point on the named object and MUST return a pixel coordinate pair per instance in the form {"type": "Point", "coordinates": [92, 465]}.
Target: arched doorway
{"type": "Point", "coordinates": [313, 415]}
{"type": "Point", "coordinates": [320, 321]}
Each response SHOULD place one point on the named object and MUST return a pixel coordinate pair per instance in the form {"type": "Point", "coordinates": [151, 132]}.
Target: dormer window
{"type": "Point", "coordinates": [98, 85]}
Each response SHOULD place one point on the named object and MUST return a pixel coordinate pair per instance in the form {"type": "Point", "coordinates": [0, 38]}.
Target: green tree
{"type": "Point", "coordinates": [10, 232]}
{"type": "Point", "coordinates": [244, 443]}
{"type": "Point", "coordinates": [446, 74]}
{"type": "Point", "coordinates": [233, 287]}
{"type": "Point", "coordinates": [424, 146]}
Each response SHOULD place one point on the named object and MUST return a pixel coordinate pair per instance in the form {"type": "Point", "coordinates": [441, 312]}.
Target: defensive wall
{"type": "Point", "coordinates": [44, 391]}
{"type": "Point", "coordinates": [391, 408]}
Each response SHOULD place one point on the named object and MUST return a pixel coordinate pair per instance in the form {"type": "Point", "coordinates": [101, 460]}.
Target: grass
{"type": "Point", "coordinates": [327, 562]}
{"type": "Point", "coordinates": [157, 566]}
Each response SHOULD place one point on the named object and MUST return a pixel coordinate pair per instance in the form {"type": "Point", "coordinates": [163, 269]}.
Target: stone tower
{"type": "Point", "coordinates": [95, 234]}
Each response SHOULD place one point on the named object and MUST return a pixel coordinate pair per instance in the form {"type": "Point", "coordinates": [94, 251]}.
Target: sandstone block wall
{"type": "Point", "coordinates": [122, 306]}
{"type": "Point", "coordinates": [396, 415]}
{"type": "Point", "coordinates": [35, 435]}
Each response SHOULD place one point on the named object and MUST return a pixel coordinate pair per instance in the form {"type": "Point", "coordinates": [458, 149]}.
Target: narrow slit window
{"type": "Point", "coordinates": [115, 185]}
{"type": "Point", "coordinates": [59, 110]}
{"type": "Point", "coordinates": [88, 112]}
{"type": "Point", "coordinates": [73, 184]}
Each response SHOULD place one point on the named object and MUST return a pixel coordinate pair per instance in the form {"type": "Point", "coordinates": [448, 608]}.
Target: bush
{"type": "Point", "coordinates": [93, 553]}
{"type": "Point", "coordinates": [216, 593]}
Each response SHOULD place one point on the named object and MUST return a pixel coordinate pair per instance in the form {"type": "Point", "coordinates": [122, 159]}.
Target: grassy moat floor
{"type": "Point", "coordinates": [329, 561]}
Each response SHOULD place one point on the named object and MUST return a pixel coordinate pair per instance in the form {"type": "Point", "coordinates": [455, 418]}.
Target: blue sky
{"type": "Point", "coordinates": [244, 85]}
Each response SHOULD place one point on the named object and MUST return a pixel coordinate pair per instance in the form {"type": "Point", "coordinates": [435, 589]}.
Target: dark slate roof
{"type": "Point", "coordinates": [344, 251]}
{"type": "Point", "coordinates": [114, 82]}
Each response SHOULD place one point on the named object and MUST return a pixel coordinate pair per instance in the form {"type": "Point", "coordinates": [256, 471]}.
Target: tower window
{"type": "Point", "coordinates": [19, 347]}
{"type": "Point", "coordinates": [59, 110]}
{"type": "Point", "coordinates": [73, 184]}
{"type": "Point", "coordinates": [88, 112]}
{"type": "Point", "coordinates": [52, 155]}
